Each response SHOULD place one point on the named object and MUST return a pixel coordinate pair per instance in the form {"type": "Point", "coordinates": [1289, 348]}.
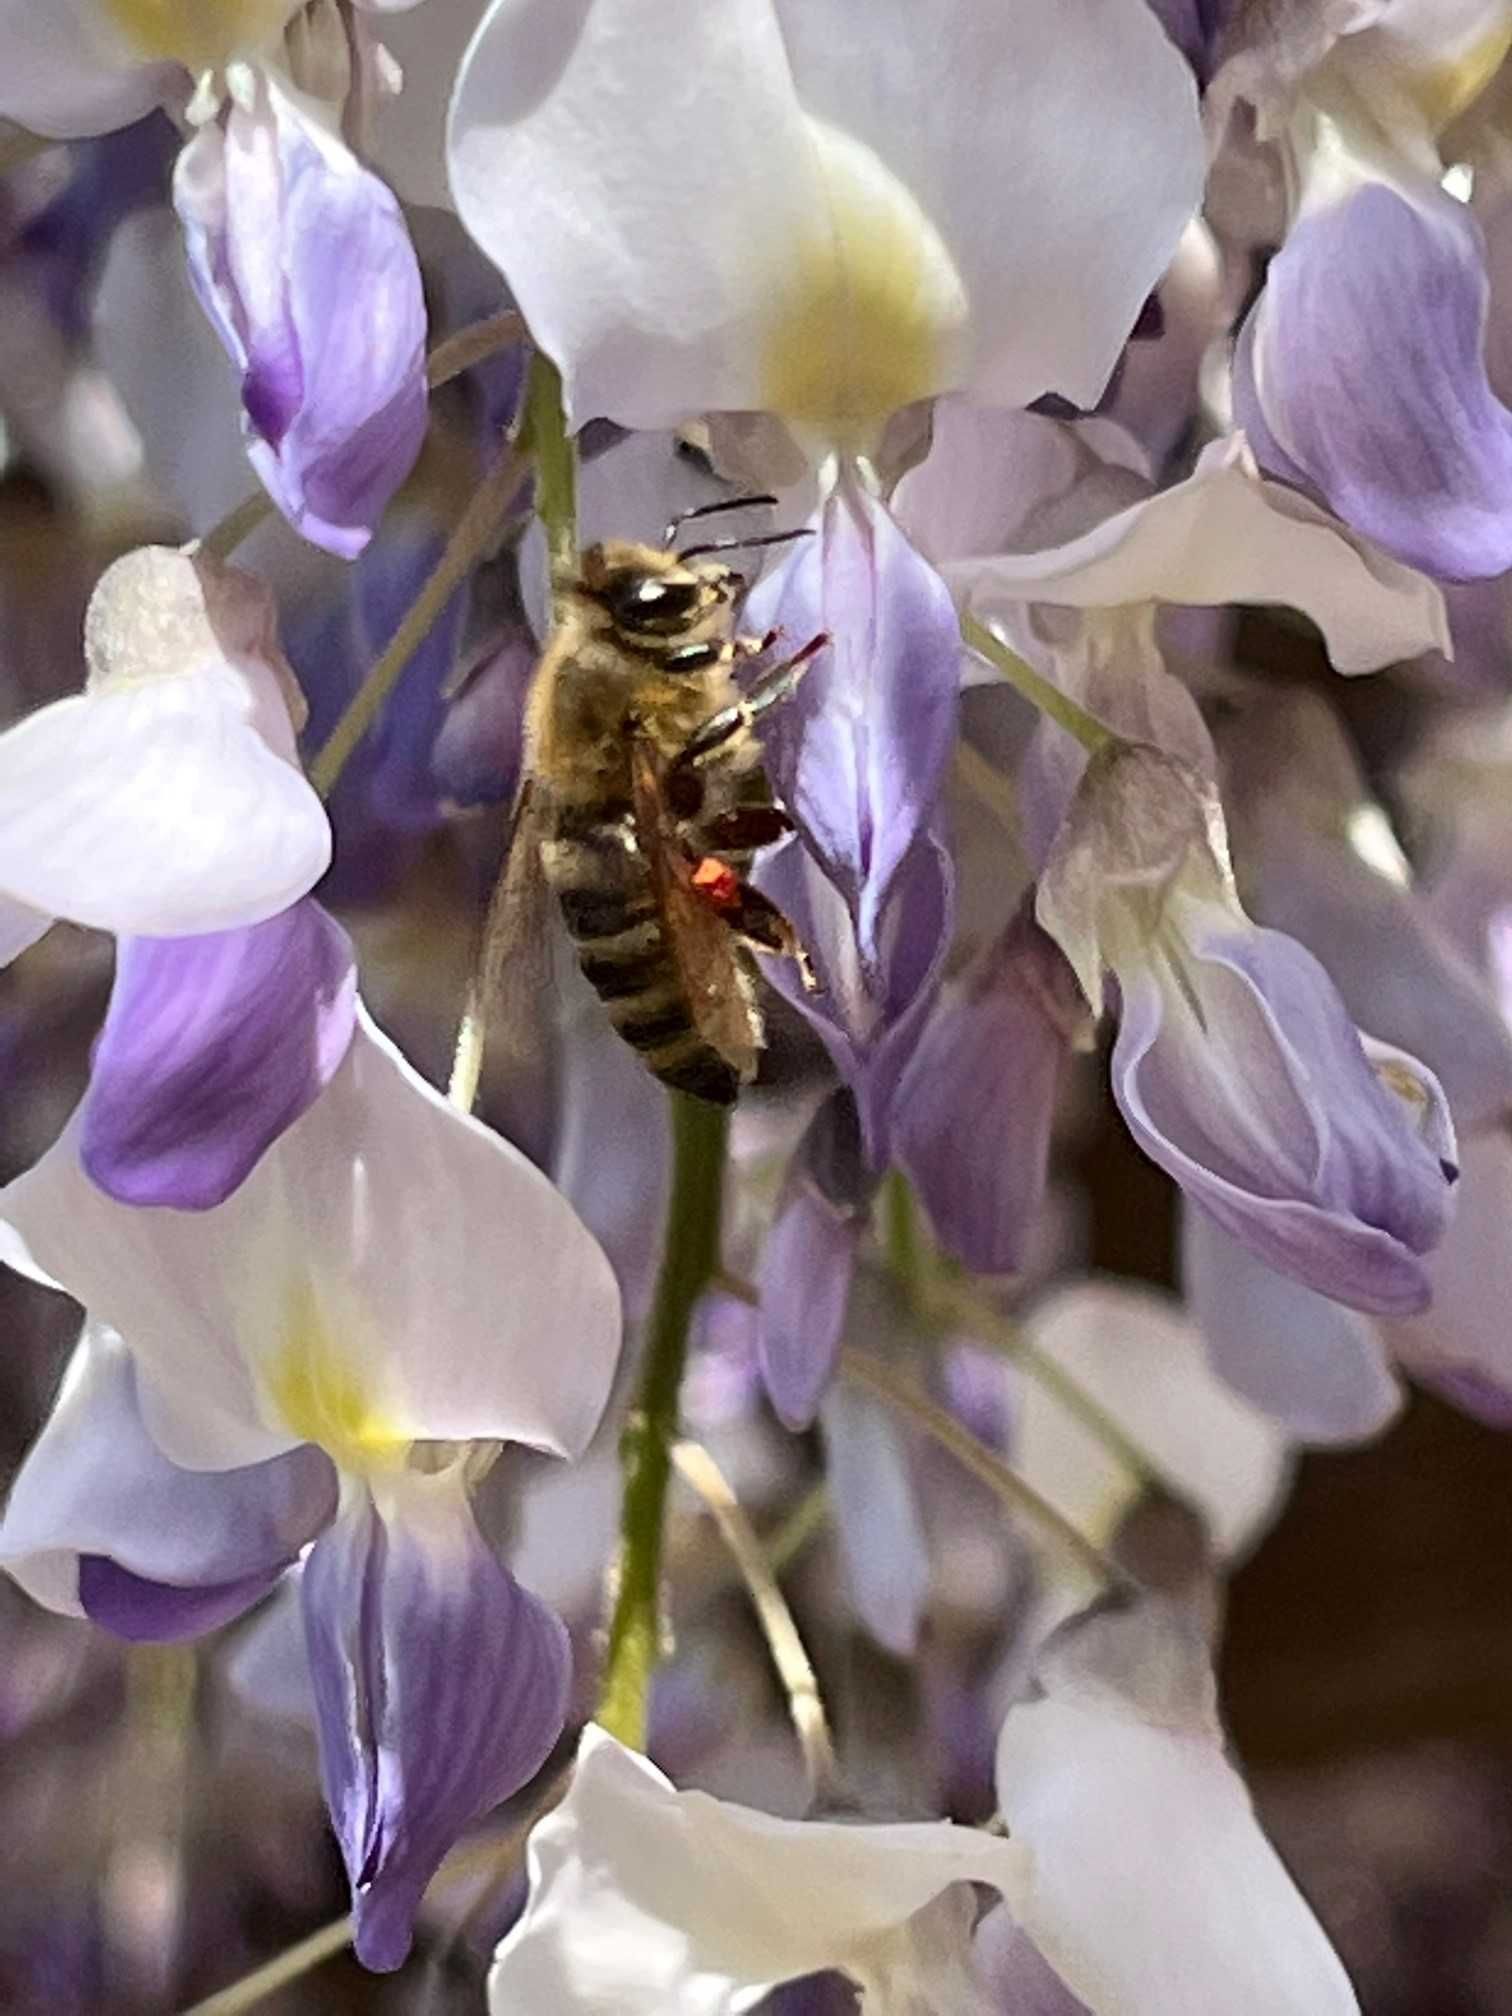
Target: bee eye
{"type": "Point", "coordinates": [643, 602]}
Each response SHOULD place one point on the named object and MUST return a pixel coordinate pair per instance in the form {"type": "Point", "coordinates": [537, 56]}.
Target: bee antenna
{"type": "Point", "coordinates": [740, 545]}
{"type": "Point", "coordinates": [714, 510]}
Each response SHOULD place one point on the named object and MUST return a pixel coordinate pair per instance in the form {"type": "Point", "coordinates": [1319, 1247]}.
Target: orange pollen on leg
{"type": "Point", "coordinates": [717, 883]}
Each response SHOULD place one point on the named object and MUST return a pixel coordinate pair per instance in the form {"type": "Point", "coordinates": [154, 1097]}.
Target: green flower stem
{"type": "Point", "coordinates": [690, 1259]}
{"type": "Point", "coordinates": [1049, 699]}
{"type": "Point", "coordinates": [545, 434]}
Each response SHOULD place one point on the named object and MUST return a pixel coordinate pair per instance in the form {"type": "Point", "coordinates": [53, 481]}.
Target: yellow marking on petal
{"type": "Point", "coordinates": [319, 1394]}
{"type": "Point", "coordinates": [1409, 1088]}
{"type": "Point", "coordinates": [872, 312]}
{"type": "Point", "coordinates": [200, 34]}
{"type": "Point", "coordinates": [1442, 91]}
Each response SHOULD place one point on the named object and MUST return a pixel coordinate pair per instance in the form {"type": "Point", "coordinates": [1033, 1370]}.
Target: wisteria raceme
{"type": "Point", "coordinates": [937, 573]}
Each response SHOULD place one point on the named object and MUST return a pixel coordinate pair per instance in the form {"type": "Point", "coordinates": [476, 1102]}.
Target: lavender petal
{"type": "Point", "coordinates": [212, 1047]}
{"type": "Point", "coordinates": [859, 752]}
{"type": "Point", "coordinates": [304, 264]}
{"type": "Point", "coordinates": [441, 1687]}
{"type": "Point", "coordinates": [977, 1101]}
{"type": "Point", "coordinates": [1364, 364]}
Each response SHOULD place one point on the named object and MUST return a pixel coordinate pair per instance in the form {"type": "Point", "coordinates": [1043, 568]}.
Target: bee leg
{"type": "Point", "coordinates": [754, 918]}
{"type": "Point", "coordinates": [759, 922]}
{"type": "Point", "coordinates": [769, 691]}
{"type": "Point", "coordinates": [743, 829]}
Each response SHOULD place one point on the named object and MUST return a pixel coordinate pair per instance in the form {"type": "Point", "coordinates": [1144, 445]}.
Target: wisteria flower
{"type": "Point", "coordinates": [902, 231]}
{"type": "Point", "coordinates": [644, 1898]}
{"type": "Point", "coordinates": [1361, 371]}
{"type": "Point", "coordinates": [87, 66]}
{"type": "Point", "coordinates": [328, 1354]}
{"type": "Point", "coordinates": [303, 262]}
{"type": "Point", "coordinates": [165, 799]}
{"type": "Point", "coordinates": [1236, 1065]}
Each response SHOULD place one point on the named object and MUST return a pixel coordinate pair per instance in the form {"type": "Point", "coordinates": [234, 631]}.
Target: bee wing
{"type": "Point", "coordinates": [516, 966]}
{"type": "Point", "coordinates": [709, 959]}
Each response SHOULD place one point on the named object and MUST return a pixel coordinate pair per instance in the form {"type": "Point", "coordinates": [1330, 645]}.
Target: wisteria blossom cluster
{"type": "Point", "coordinates": [1099, 406]}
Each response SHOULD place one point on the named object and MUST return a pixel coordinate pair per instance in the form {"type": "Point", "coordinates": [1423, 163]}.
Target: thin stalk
{"type": "Point", "coordinates": [690, 1256]}
{"type": "Point", "coordinates": [1049, 699]}
{"type": "Point", "coordinates": [794, 1534]}
{"type": "Point", "coordinates": [906, 1400]}
{"type": "Point", "coordinates": [544, 432]}
{"type": "Point", "coordinates": [473, 345]}
{"type": "Point", "coordinates": [949, 1302]}
{"type": "Point", "coordinates": [473, 534]}
{"type": "Point", "coordinates": [18, 146]}
{"type": "Point", "coordinates": [794, 1668]}
{"type": "Point", "coordinates": [279, 1972]}
{"type": "Point", "coordinates": [901, 1243]}
{"type": "Point", "coordinates": [238, 525]}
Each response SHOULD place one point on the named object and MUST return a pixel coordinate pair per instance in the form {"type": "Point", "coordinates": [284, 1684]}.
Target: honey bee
{"type": "Point", "coordinates": [644, 799]}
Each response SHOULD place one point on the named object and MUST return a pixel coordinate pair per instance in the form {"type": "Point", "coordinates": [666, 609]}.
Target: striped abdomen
{"type": "Point", "coordinates": [603, 883]}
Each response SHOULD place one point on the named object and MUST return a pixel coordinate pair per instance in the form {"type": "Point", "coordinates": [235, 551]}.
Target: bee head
{"type": "Point", "coordinates": [648, 594]}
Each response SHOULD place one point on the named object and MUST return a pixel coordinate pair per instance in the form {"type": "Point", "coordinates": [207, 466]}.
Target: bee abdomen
{"type": "Point", "coordinates": [648, 1006]}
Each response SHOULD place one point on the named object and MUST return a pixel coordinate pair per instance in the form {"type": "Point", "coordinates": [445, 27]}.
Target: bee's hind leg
{"type": "Point", "coordinates": [754, 918]}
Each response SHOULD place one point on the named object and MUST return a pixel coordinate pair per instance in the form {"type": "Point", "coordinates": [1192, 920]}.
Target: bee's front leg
{"type": "Point", "coordinates": [769, 691]}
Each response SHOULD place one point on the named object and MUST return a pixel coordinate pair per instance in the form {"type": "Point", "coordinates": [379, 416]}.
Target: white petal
{"type": "Point", "coordinates": [390, 1271]}
{"type": "Point", "coordinates": [165, 799]}
{"type": "Point", "coordinates": [645, 1900]}
{"type": "Point", "coordinates": [985, 120]}
{"type": "Point", "coordinates": [1141, 1359]}
{"type": "Point", "coordinates": [64, 72]}
{"type": "Point", "coordinates": [802, 222]}
{"type": "Point", "coordinates": [1226, 535]}
{"type": "Point", "coordinates": [640, 229]}
{"type": "Point", "coordinates": [156, 810]}
{"type": "Point", "coordinates": [1152, 1891]}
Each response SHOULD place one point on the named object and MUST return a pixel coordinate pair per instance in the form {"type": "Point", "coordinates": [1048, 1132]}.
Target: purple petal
{"type": "Point", "coordinates": [1240, 1073]}
{"type": "Point", "coordinates": [480, 745]}
{"type": "Point", "coordinates": [166, 1540]}
{"type": "Point", "coordinates": [1295, 796]}
{"type": "Point", "coordinates": [211, 1048]}
{"type": "Point", "coordinates": [977, 1101]}
{"type": "Point", "coordinates": [441, 1687]}
{"type": "Point", "coordinates": [1017, 1978]}
{"type": "Point", "coordinates": [877, 1517]}
{"type": "Point", "coordinates": [1365, 367]}
{"type": "Point", "coordinates": [304, 265]}
{"type": "Point", "coordinates": [859, 753]}
{"type": "Point", "coordinates": [1195, 26]}
{"type": "Point", "coordinates": [868, 1023]}
{"type": "Point", "coordinates": [809, 1259]}
{"type": "Point", "coordinates": [156, 1613]}
{"type": "Point", "coordinates": [1318, 1368]}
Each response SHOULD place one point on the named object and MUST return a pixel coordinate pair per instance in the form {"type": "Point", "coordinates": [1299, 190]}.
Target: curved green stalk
{"type": "Point", "coordinates": [690, 1259]}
